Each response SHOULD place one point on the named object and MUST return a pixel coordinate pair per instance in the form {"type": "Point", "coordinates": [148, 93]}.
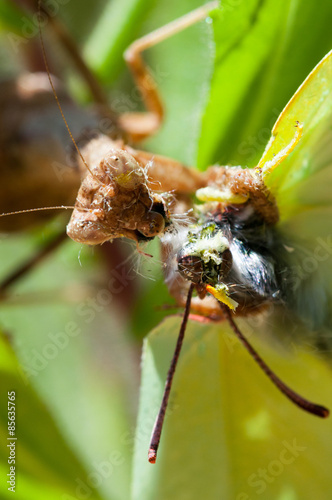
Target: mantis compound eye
{"type": "Point", "coordinates": [153, 224]}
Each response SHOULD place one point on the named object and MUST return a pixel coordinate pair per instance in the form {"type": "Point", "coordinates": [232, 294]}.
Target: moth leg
{"type": "Point", "coordinates": [144, 124]}
{"type": "Point", "coordinates": [32, 262]}
{"type": "Point", "coordinates": [209, 307]}
{"type": "Point", "coordinates": [198, 318]}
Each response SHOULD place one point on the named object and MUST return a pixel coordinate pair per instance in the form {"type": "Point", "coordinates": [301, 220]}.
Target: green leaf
{"type": "Point", "coordinates": [265, 49]}
{"type": "Point", "coordinates": [228, 432]}
{"type": "Point", "coordinates": [182, 66]}
{"type": "Point", "coordinates": [10, 17]}
{"type": "Point", "coordinates": [116, 28]}
{"type": "Point", "coordinates": [66, 340]}
{"type": "Point", "coordinates": [45, 465]}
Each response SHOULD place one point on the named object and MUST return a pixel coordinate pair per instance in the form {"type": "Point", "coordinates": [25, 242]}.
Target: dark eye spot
{"type": "Point", "coordinates": [190, 267]}
{"type": "Point", "coordinates": [152, 225]}
{"type": "Point", "coordinates": [227, 262]}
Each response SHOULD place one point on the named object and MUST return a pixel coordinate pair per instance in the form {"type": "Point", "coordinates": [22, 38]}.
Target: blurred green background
{"type": "Point", "coordinates": [71, 349]}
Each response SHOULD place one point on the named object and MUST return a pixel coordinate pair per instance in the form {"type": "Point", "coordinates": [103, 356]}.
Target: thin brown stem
{"type": "Point", "coordinates": [69, 44]}
{"type": "Point", "coordinates": [158, 426]}
{"type": "Point", "coordinates": [314, 409]}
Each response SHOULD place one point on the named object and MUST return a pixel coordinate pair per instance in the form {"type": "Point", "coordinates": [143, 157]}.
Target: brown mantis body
{"type": "Point", "coordinates": [44, 164]}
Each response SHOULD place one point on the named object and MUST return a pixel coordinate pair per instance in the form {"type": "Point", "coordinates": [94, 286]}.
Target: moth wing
{"type": "Point", "coordinates": [222, 407]}
{"type": "Point", "coordinates": [296, 164]}
{"type": "Point", "coordinates": [296, 167]}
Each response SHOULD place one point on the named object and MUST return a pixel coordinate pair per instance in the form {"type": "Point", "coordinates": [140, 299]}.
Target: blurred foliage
{"type": "Point", "coordinates": [82, 385]}
{"type": "Point", "coordinates": [46, 466]}
{"type": "Point", "coordinates": [9, 16]}
{"type": "Point", "coordinates": [265, 49]}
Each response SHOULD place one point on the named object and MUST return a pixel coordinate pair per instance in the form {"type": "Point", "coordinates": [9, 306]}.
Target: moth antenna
{"type": "Point", "coordinates": [56, 96]}
{"type": "Point", "coordinates": [314, 409]}
{"type": "Point", "coordinates": [60, 207]}
{"type": "Point", "coordinates": [158, 426]}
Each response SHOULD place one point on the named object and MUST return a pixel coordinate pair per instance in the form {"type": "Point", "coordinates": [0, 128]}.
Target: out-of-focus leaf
{"type": "Point", "coordinates": [228, 432]}
{"type": "Point", "coordinates": [73, 351]}
{"type": "Point", "coordinates": [45, 466]}
{"type": "Point", "coordinates": [116, 28]}
{"type": "Point", "coordinates": [183, 66]}
{"type": "Point", "coordinates": [10, 16]}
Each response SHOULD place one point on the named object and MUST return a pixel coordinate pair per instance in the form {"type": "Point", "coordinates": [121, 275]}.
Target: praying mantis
{"type": "Point", "coordinates": [204, 185]}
